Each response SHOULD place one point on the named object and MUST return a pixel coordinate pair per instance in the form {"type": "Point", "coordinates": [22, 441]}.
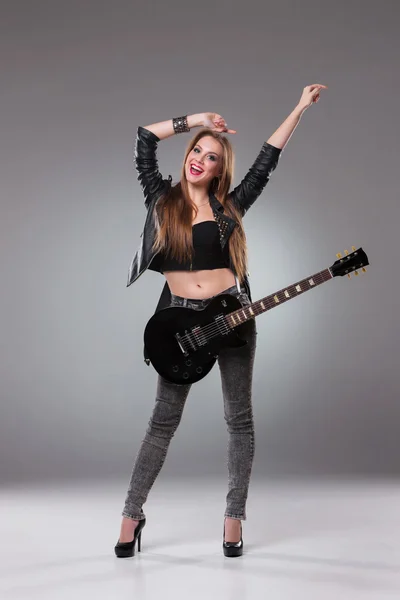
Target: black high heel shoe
{"type": "Point", "coordinates": [127, 549]}
{"type": "Point", "coordinates": [233, 548]}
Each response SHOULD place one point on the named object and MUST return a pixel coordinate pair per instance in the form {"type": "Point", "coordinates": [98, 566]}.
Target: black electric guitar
{"type": "Point", "coordinates": [183, 344]}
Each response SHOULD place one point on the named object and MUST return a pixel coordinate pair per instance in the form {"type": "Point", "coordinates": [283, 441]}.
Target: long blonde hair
{"type": "Point", "coordinates": [174, 211]}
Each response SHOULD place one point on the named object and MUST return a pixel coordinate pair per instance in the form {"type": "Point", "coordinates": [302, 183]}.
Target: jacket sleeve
{"type": "Point", "coordinates": [150, 178]}
{"type": "Point", "coordinates": [251, 186]}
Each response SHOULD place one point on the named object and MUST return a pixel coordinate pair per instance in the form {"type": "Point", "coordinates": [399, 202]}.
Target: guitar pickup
{"type": "Point", "coordinates": [222, 325]}
{"type": "Point", "coordinates": [199, 336]}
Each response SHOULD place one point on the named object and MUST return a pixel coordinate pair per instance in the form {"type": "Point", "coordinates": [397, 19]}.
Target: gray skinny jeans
{"type": "Point", "coordinates": [236, 367]}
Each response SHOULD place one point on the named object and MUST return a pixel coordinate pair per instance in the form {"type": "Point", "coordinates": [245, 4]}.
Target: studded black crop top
{"type": "Point", "coordinates": [208, 253]}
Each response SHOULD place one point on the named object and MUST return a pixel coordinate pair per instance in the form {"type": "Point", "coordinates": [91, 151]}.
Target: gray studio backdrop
{"type": "Point", "coordinates": [77, 79]}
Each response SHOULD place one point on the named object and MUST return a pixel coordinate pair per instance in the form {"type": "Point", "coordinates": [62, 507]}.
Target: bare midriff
{"type": "Point", "coordinates": [198, 285]}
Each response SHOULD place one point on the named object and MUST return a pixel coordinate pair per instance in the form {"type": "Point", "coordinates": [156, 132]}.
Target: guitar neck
{"type": "Point", "coordinates": [246, 313]}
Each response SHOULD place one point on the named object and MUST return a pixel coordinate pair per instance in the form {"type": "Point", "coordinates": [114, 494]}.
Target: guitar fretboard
{"type": "Point", "coordinates": [260, 306]}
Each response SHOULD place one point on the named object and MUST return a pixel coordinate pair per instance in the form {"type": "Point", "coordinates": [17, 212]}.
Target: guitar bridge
{"type": "Point", "coordinates": [181, 345]}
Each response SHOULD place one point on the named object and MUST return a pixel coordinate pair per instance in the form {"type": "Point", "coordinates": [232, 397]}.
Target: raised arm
{"type": "Point", "coordinates": [147, 138]}
{"type": "Point", "coordinates": [165, 129]}
{"type": "Point", "coordinates": [255, 180]}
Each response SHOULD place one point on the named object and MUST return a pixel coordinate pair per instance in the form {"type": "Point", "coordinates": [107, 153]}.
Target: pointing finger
{"type": "Point", "coordinates": [317, 85]}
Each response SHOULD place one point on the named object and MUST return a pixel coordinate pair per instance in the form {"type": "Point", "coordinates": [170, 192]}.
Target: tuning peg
{"type": "Point", "coordinates": [364, 270]}
{"type": "Point", "coordinates": [346, 252]}
{"type": "Point", "coordinates": [348, 275]}
{"type": "Point", "coordinates": [355, 272]}
{"type": "Point", "coordinates": [339, 255]}
{"type": "Point", "coordinates": [353, 248]}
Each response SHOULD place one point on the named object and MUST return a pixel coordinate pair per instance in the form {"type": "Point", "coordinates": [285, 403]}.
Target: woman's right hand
{"type": "Point", "coordinates": [215, 122]}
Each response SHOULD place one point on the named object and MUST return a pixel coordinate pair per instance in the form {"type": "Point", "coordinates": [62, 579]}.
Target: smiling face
{"type": "Point", "coordinates": [204, 161]}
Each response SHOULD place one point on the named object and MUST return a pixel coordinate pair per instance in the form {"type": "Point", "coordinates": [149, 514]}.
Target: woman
{"type": "Point", "coordinates": [194, 235]}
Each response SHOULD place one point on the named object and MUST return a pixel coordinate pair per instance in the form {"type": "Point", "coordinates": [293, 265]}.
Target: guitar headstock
{"type": "Point", "coordinates": [345, 265]}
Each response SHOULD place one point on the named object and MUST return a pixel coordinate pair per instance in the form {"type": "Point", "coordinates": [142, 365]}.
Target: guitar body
{"type": "Point", "coordinates": [178, 352]}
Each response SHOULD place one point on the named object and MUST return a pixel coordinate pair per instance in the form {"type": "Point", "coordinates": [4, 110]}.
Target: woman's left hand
{"type": "Point", "coordinates": [215, 122]}
{"type": "Point", "coordinates": [311, 94]}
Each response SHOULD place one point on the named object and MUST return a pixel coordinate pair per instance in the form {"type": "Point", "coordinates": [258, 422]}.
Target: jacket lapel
{"type": "Point", "coordinates": [225, 223]}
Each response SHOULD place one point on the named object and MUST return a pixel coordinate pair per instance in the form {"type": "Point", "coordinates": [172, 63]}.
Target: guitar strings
{"type": "Point", "coordinates": [214, 326]}
{"type": "Point", "coordinates": [213, 330]}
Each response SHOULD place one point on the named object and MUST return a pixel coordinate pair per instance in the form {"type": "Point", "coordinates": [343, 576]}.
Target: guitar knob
{"type": "Point", "coordinates": [185, 375]}
{"type": "Point", "coordinates": [175, 368]}
{"type": "Point", "coordinates": [199, 370]}
{"type": "Point", "coordinates": [188, 363]}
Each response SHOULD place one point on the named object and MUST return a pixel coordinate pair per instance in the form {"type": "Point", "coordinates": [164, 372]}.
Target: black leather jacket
{"type": "Point", "coordinates": [154, 186]}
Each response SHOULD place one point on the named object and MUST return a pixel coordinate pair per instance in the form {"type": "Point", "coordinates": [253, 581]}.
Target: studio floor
{"type": "Point", "coordinates": [323, 540]}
